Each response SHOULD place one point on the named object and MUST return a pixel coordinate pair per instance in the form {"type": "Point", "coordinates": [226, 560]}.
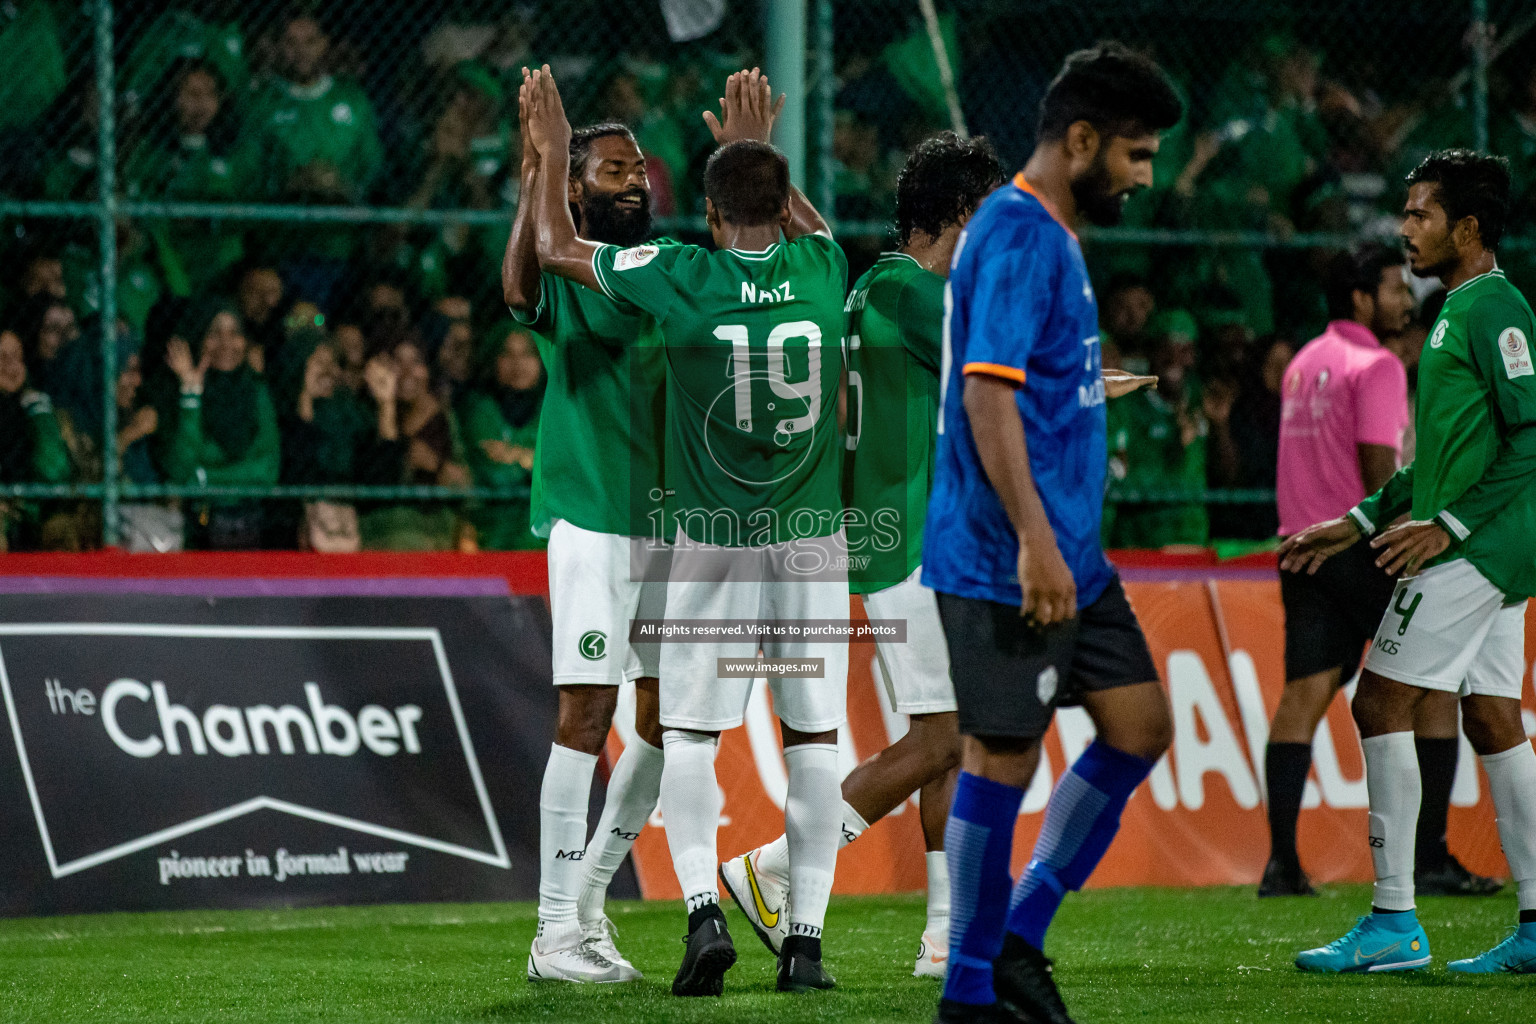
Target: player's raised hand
{"type": "Point", "coordinates": [548, 127]}
{"type": "Point", "coordinates": [1313, 546]}
{"type": "Point", "coordinates": [1407, 546]}
{"type": "Point", "coordinates": [748, 109]}
{"type": "Point", "coordinates": [1050, 592]}
{"type": "Point", "coordinates": [530, 152]}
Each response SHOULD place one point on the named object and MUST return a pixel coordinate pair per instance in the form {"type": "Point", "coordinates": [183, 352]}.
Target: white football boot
{"type": "Point", "coordinates": [932, 957]}
{"type": "Point", "coordinates": [762, 899]}
{"type": "Point", "coordinates": [576, 960]}
{"type": "Point", "coordinates": [600, 935]}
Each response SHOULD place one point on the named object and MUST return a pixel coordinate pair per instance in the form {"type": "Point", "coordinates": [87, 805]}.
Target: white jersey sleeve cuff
{"type": "Point", "coordinates": [529, 316]}
{"type": "Point", "coordinates": [597, 271]}
{"type": "Point", "coordinates": [1456, 527]}
{"type": "Point", "coordinates": [1366, 526]}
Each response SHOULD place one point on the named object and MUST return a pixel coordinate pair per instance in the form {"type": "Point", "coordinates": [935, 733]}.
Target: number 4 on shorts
{"type": "Point", "coordinates": [1406, 613]}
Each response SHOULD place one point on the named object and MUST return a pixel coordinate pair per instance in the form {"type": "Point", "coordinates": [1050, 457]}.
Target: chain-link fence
{"type": "Point", "coordinates": [315, 198]}
{"type": "Point", "coordinates": [1302, 119]}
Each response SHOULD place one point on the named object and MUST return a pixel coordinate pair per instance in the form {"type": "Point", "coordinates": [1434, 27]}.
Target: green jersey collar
{"type": "Point", "coordinates": [1495, 272]}
{"type": "Point", "coordinates": [896, 256]}
{"type": "Point", "coordinates": [755, 254]}
{"type": "Point", "coordinates": [310, 92]}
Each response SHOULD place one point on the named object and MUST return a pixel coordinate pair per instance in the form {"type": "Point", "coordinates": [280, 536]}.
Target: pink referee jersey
{"type": "Point", "coordinates": [1342, 389]}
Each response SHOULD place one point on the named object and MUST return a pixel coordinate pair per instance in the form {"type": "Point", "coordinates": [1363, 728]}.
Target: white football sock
{"type": "Point", "coordinates": [632, 791]}
{"type": "Point", "coordinates": [1392, 783]}
{"type": "Point", "coordinates": [854, 825]}
{"type": "Point", "coordinates": [812, 814]}
{"type": "Point", "coordinates": [938, 896]}
{"type": "Point", "coordinates": [562, 840]}
{"type": "Point", "coordinates": [690, 807]}
{"type": "Point", "coordinates": [1512, 781]}
{"type": "Point", "coordinates": [773, 859]}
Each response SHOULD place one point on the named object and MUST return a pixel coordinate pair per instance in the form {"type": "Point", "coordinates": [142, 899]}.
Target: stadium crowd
{"type": "Point", "coordinates": [257, 353]}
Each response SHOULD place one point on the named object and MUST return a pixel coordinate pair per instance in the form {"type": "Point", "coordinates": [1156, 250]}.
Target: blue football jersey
{"type": "Point", "coordinates": [1019, 306]}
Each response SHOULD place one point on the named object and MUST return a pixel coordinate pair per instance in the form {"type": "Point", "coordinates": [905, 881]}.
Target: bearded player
{"type": "Point", "coordinates": [1456, 623]}
{"type": "Point", "coordinates": [895, 316]}
{"type": "Point", "coordinates": [750, 331]}
{"type": "Point", "coordinates": [1033, 613]}
{"type": "Point", "coordinates": [594, 483]}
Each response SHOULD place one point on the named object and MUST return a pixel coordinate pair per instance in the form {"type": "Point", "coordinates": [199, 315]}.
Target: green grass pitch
{"type": "Point", "coordinates": [1123, 955]}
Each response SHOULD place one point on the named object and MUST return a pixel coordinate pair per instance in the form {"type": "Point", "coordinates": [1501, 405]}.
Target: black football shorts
{"type": "Point", "coordinates": [1330, 617]}
{"type": "Point", "coordinates": [1010, 676]}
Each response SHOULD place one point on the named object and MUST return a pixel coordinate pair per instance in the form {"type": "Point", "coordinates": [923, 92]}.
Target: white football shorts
{"type": "Point", "coordinates": [598, 582]}
{"type": "Point", "coordinates": [915, 673]}
{"type": "Point", "coordinates": [804, 579]}
{"type": "Point", "coordinates": [1450, 629]}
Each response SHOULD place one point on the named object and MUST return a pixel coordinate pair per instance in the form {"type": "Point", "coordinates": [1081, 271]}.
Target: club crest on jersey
{"type": "Point", "coordinates": [639, 256]}
{"type": "Point", "coordinates": [1516, 352]}
{"type": "Point", "coordinates": [1438, 338]}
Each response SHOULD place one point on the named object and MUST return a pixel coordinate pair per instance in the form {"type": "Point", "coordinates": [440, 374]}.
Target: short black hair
{"type": "Point", "coordinates": [1117, 90]}
{"type": "Point", "coordinates": [748, 181]}
{"type": "Point", "coordinates": [1358, 270]}
{"type": "Point", "coordinates": [943, 181]}
{"type": "Point", "coordinates": [1469, 184]}
{"type": "Point", "coordinates": [582, 139]}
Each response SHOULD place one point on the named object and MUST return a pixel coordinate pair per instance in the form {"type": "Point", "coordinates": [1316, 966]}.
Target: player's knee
{"type": "Point", "coordinates": [649, 731]}
{"type": "Point", "coordinates": [1492, 725]}
{"type": "Point", "coordinates": [1148, 735]}
{"type": "Point", "coordinates": [1370, 712]}
{"type": "Point", "coordinates": [648, 712]}
{"type": "Point", "coordinates": [938, 736]}
{"type": "Point", "coordinates": [1156, 735]}
{"type": "Point", "coordinates": [586, 713]}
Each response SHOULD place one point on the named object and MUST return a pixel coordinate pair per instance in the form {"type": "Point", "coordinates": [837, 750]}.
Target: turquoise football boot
{"type": "Point", "coordinates": [1377, 942]}
{"type": "Point", "coordinates": [1515, 955]}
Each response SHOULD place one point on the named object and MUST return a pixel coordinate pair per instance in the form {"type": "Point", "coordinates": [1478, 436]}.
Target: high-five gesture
{"type": "Point", "coordinates": [548, 128]}
{"type": "Point", "coordinates": [748, 108]}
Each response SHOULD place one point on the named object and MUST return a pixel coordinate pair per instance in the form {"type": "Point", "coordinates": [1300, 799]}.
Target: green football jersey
{"type": "Point", "coordinates": [1475, 463]}
{"type": "Point", "coordinates": [598, 462]}
{"type": "Point", "coordinates": [895, 329]}
{"type": "Point", "coordinates": [331, 122]}
{"type": "Point", "coordinates": [754, 355]}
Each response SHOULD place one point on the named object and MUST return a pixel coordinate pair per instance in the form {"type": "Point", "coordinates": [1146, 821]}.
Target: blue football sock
{"type": "Point", "coordinates": [1080, 822]}
{"type": "Point", "coordinates": [978, 842]}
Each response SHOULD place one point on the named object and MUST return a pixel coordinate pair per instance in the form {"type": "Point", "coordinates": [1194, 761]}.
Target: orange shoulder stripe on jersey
{"type": "Point", "coordinates": [995, 370]}
{"type": "Point", "coordinates": [1020, 183]}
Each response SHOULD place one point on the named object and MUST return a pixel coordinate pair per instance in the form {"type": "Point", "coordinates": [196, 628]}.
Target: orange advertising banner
{"type": "Point", "coordinates": [1198, 820]}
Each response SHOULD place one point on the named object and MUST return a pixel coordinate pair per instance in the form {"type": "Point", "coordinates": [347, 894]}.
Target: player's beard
{"type": "Point", "coordinates": [1423, 268]}
{"type": "Point", "coordinates": [605, 220]}
{"type": "Point", "coordinates": [1095, 199]}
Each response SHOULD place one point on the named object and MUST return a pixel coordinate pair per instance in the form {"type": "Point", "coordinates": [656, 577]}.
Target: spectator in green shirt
{"type": "Point", "coordinates": [501, 424]}
{"type": "Point", "coordinates": [31, 448]}
{"type": "Point", "coordinates": [194, 30]}
{"type": "Point", "coordinates": [216, 423]}
{"type": "Point", "coordinates": [1157, 440]}
{"type": "Point", "coordinates": [193, 153]}
{"type": "Point", "coordinates": [320, 144]}
{"type": "Point", "coordinates": [32, 53]}
{"type": "Point", "coordinates": [61, 362]}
